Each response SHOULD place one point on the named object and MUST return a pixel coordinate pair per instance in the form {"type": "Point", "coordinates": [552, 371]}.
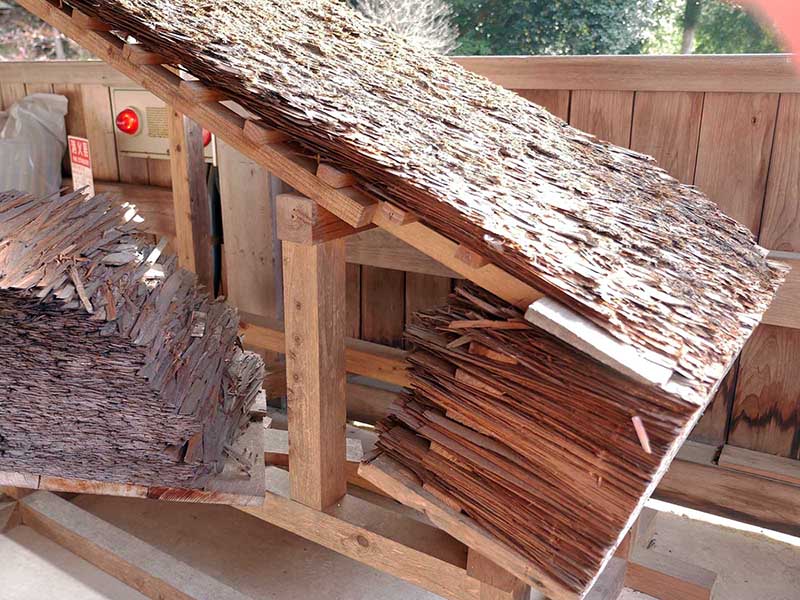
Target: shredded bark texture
{"type": "Point", "coordinates": [533, 440]}
{"type": "Point", "coordinates": [114, 366]}
{"type": "Point", "coordinates": [599, 227]}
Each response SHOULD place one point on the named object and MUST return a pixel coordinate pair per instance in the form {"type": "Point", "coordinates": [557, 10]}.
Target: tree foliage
{"type": "Point", "coordinates": [556, 26]}
{"type": "Point", "coordinates": [426, 23]}
{"type": "Point", "coordinates": [726, 28]}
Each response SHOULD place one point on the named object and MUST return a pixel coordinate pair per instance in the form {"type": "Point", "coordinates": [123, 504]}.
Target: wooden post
{"type": "Point", "coordinates": [496, 582]}
{"type": "Point", "coordinates": [314, 305]}
{"type": "Point", "coordinates": [190, 198]}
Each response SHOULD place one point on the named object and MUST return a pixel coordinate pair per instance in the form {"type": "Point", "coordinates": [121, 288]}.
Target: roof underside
{"type": "Point", "coordinates": [600, 228]}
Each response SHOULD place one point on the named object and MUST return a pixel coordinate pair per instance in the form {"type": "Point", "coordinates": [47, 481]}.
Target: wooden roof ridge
{"type": "Point", "coordinates": [87, 257]}
{"type": "Point", "coordinates": [642, 272]}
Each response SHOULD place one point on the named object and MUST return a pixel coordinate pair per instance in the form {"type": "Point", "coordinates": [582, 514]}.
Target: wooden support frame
{"type": "Point", "coordinates": [314, 343]}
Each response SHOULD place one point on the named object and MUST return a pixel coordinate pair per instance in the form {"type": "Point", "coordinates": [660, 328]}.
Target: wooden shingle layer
{"type": "Point", "coordinates": [597, 227]}
{"type": "Point", "coordinates": [115, 366]}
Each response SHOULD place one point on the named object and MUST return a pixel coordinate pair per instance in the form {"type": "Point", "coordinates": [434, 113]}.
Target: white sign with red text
{"type": "Point", "coordinates": [81, 162]}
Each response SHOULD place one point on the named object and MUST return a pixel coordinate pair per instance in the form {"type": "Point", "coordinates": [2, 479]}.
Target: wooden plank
{"type": "Point", "coordinates": [381, 538]}
{"type": "Point", "coordinates": [734, 152]}
{"type": "Point", "coordinates": [250, 243]}
{"type": "Point", "coordinates": [694, 481]}
{"type": "Point", "coordinates": [368, 404]}
{"type": "Point", "coordinates": [382, 305]}
{"type": "Point", "coordinates": [379, 248]}
{"type": "Point", "coordinates": [159, 172]}
{"type": "Point", "coordinates": [666, 125]}
{"type": "Point", "coordinates": [86, 22]}
{"type": "Point", "coordinates": [262, 135]}
{"type": "Point", "coordinates": [438, 247]}
{"type": "Point", "coordinates": [778, 468]}
{"type": "Point", "coordinates": [9, 515]}
{"type": "Point", "coordinates": [334, 177]}
{"type": "Point", "coordinates": [314, 296]}
{"type": "Point", "coordinates": [611, 581]}
{"type": "Point", "coordinates": [11, 92]}
{"type": "Point", "coordinates": [190, 198]}
{"type": "Point", "coordinates": [196, 91]}
{"type": "Point", "coordinates": [496, 582]}
{"type": "Point", "coordinates": [353, 300]}
{"type": "Point", "coordinates": [425, 291]}
{"type": "Point", "coordinates": [303, 221]}
{"type": "Point", "coordinates": [712, 428]}
{"type": "Point", "coordinates": [605, 114]}
{"type": "Point", "coordinates": [141, 566]}
{"type": "Point", "coordinates": [783, 310]}
{"type": "Point", "coordinates": [362, 358]}
{"type": "Point", "coordinates": [780, 229]}
{"type": "Point", "coordinates": [556, 101]}
{"type": "Point", "coordinates": [689, 73]}
{"type": "Point", "coordinates": [138, 55]}
{"type": "Point", "coordinates": [668, 578]}
{"type": "Point", "coordinates": [766, 412]}
{"type": "Point", "coordinates": [65, 72]}
{"type": "Point", "coordinates": [349, 205]}
{"type": "Point", "coordinates": [38, 88]}
{"type": "Point", "coordinates": [99, 123]}
{"type": "Point", "coordinates": [404, 486]}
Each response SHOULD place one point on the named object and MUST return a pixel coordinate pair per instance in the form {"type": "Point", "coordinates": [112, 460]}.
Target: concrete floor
{"type": "Point", "coordinates": [265, 562]}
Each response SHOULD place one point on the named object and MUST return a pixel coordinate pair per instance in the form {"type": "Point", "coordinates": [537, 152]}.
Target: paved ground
{"type": "Point", "coordinates": [266, 562]}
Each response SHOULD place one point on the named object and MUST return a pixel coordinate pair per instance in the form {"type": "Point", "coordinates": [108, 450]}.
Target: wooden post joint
{"type": "Point", "coordinates": [303, 221]}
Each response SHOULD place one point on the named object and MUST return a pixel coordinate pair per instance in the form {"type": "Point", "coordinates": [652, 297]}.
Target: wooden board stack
{"type": "Point", "coordinates": [114, 366]}
{"type": "Point", "coordinates": [546, 448]}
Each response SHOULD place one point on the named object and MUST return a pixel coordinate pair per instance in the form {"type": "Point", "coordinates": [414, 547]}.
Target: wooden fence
{"type": "Point", "coordinates": [729, 125]}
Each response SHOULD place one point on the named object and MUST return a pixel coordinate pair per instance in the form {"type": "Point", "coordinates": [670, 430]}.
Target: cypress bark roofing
{"type": "Point", "coordinates": [600, 228]}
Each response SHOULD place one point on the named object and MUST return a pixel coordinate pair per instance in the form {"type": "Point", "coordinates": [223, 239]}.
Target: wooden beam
{"type": "Point", "coordinates": [314, 298]}
{"type": "Point", "coordinates": [694, 481]}
{"type": "Point", "coordinates": [783, 310]}
{"type": "Point", "coordinates": [145, 568]}
{"type": "Point", "coordinates": [443, 250]}
{"type": "Point", "coordinates": [190, 198]}
{"type": "Point", "coordinates": [9, 515]}
{"type": "Point", "coordinates": [611, 581]}
{"type": "Point", "coordinates": [137, 55]}
{"type": "Point", "coordinates": [383, 539]}
{"type": "Point", "coordinates": [379, 248]}
{"type": "Point", "coordinates": [89, 23]}
{"type": "Point", "coordinates": [496, 582]}
{"type": "Point", "coordinates": [303, 221]}
{"type": "Point", "coordinates": [353, 207]}
{"type": "Point", "coordinates": [399, 483]}
{"type": "Point", "coordinates": [334, 177]}
{"type": "Point", "coordinates": [196, 91]}
{"type": "Point", "coordinates": [260, 135]}
{"type": "Point", "coordinates": [668, 578]}
{"type": "Point", "coordinates": [779, 468]}
{"type": "Point", "coordinates": [362, 358]}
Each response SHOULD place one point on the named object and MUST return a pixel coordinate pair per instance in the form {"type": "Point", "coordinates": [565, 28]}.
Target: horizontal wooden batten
{"type": "Point", "coordinates": [376, 536]}
{"type": "Point", "coordinates": [697, 73]}
{"type": "Point", "coordinates": [363, 358]}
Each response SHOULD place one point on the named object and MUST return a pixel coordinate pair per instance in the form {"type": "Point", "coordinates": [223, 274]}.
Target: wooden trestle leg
{"type": "Point", "coordinates": [314, 300]}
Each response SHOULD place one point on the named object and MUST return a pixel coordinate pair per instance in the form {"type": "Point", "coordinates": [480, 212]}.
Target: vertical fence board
{"type": "Point", "coordinates": [99, 122]}
{"type": "Point", "coordinates": [666, 125]}
{"type": "Point", "coordinates": [11, 92]}
{"type": "Point", "coordinates": [605, 114]}
{"type": "Point", "coordinates": [712, 428]}
{"type": "Point", "coordinates": [734, 151]}
{"type": "Point", "coordinates": [353, 301]}
{"type": "Point", "coordinates": [780, 229]}
{"type": "Point", "coordinates": [74, 119]}
{"type": "Point", "coordinates": [38, 88]}
{"type": "Point", "coordinates": [556, 101]}
{"type": "Point", "coordinates": [765, 410]}
{"type": "Point", "coordinates": [158, 172]}
{"type": "Point", "coordinates": [247, 216]}
{"type": "Point", "coordinates": [382, 305]}
{"type": "Point", "coordinates": [425, 291]}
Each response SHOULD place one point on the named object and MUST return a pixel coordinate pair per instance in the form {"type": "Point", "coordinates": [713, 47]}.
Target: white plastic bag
{"type": "Point", "coordinates": [33, 137]}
